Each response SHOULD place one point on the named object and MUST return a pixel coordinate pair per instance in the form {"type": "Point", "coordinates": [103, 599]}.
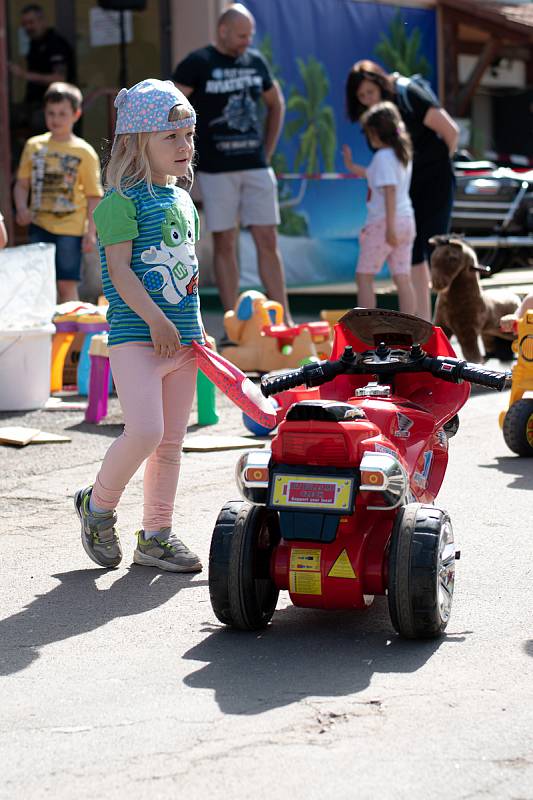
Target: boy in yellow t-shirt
{"type": "Point", "coordinates": [61, 174]}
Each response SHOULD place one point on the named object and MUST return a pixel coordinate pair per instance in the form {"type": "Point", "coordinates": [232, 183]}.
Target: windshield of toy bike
{"type": "Point", "coordinates": [375, 325]}
{"type": "Point", "coordinates": [365, 328]}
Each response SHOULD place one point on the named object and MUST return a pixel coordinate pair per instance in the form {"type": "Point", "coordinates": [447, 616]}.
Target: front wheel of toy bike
{"type": "Point", "coordinates": [243, 595]}
{"type": "Point", "coordinates": [518, 427]}
{"type": "Point", "coordinates": [421, 571]}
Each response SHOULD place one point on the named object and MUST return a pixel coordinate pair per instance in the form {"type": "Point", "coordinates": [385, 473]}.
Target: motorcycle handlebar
{"type": "Point", "coordinates": [309, 375]}
{"type": "Point", "coordinates": [280, 383]}
{"type": "Point", "coordinates": [449, 369]}
{"type": "Point", "coordinates": [455, 370]}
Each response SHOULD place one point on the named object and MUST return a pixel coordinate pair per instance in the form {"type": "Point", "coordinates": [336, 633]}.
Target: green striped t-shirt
{"type": "Point", "coordinates": [163, 229]}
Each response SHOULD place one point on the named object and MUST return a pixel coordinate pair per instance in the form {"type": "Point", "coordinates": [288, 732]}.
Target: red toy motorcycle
{"type": "Point", "coordinates": [342, 507]}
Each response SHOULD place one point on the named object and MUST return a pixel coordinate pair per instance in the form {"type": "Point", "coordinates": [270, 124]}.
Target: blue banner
{"type": "Point", "coordinates": [310, 46]}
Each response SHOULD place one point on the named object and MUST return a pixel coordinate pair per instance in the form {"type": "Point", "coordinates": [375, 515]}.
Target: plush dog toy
{"type": "Point", "coordinates": [463, 308]}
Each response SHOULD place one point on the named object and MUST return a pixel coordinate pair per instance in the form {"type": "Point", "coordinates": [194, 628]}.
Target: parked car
{"type": "Point", "coordinates": [493, 208]}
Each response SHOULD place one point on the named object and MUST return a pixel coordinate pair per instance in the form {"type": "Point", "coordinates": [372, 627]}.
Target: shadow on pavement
{"type": "Point", "coordinates": [304, 653]}
{"type": "Point", "coordinates": [514, 465]}
{"type": "Point", "coordinates": [77, 606]}
{"type": "Point", "coordinates": [112, 429]}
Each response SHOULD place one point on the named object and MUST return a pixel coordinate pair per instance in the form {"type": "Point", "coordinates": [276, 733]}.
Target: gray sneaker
{"type": "Point", "coordinates": [98, 535]}
{"type": "Point", "coordinates": [165, 551]}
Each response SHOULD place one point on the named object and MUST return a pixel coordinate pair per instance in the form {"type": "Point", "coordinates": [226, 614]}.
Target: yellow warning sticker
{"type": "Point", "coordinates": [305, 560]}
{"type": "Point", "coordinates": [342, 568]}
{"type": "Point", "coordinates": [305, 583]}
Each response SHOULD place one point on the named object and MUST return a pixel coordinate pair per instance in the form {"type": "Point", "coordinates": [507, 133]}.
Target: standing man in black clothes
{"type": "Point", "coordinates": [50, 58]}
{"type": "Point", "coordinates": [226, 83]}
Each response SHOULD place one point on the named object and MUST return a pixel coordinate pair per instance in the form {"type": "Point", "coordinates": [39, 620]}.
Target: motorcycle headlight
{"type": "Point", "coordinates": [382, 474]}
{"type": "Point", "coordinates": [251, 476]}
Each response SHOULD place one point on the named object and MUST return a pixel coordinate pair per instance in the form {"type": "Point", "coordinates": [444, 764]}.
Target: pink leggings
{"type": "Point", "coordinates": [156, 396]}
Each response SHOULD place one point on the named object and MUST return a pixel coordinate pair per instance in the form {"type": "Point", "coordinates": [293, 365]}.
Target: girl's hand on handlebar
{"type": "Point", "coordinates": [165, 337]}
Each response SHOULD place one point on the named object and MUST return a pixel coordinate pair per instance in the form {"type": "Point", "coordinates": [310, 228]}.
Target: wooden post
{"type": "Point", "coordinates": [486, 57]}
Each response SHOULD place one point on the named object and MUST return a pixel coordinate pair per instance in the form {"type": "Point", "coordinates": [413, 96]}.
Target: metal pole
{"type": "Point", "coordinates": [123, 74]}
{"type": "Point", "coordinates": [5, 130]}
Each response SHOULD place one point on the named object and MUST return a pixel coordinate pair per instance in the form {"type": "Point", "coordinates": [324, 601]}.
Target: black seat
{"type": "Point", "coordinates": [324, 411]}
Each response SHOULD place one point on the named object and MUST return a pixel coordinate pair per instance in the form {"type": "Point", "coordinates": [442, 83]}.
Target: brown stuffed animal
{"type": "Point", "coordinates": [463, 307]}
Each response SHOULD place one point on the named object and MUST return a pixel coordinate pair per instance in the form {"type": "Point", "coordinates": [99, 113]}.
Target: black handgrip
{"type": "Point", "coordinates": [456, 370]}
{"type": "Point", "coordinates": [484, 377]}
{"type": "Point", "coordinates": [310, 375]}
{"type": "Point", "coordinates": [280, 383]}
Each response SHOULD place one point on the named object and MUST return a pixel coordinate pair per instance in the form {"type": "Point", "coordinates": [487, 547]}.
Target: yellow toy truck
{"type": "Point", "coordinates": [517, 421]}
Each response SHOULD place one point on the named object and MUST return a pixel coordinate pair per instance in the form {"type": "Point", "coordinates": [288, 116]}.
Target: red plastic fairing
{"type": "Point", "coordinates": [440, 398]}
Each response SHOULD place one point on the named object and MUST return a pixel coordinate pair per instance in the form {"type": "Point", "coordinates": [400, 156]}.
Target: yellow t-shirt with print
{"type": "Point", "coordinates": [63, 175]}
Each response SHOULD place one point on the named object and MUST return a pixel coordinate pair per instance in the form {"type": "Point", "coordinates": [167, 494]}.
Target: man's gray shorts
{"type": "Point", "coordinates": [248, 197]}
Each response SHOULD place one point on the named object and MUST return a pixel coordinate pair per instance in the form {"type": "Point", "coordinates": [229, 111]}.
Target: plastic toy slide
{"type": "Point", "coordinates": [234, 383]}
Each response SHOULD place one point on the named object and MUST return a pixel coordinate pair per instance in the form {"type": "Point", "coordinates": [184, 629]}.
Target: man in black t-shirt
{"type": "Point", "coordinates": [226, 83]}
{"type": "Point", "coordinates": [49, 59]}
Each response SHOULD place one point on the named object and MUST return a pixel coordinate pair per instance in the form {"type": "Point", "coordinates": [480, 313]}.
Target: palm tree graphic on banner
{"type": "Point", "coordinates": [399, 52]}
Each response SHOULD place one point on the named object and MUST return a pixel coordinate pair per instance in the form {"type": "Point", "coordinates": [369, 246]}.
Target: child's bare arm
{"type": "Point", "coordinates": [89, 239]}
{"type": "Point", "coordinates": [526, 305]}
{"type": "Point", "coordinates": [506, 322]}
{"type": "Point", "coordinates": [351, 166]}
{"type": "Point", "coordinates": [164, 334]}
{"type": "Point", "coordinates": [390, 215]}
{"type": "Point", "coordinates": [3, 233]}
{"type": "Point", "coordinates": [20, 195]}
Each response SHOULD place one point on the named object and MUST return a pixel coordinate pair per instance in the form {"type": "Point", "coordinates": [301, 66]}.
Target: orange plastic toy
{"type": "Point", "coordinates": [263, 342]}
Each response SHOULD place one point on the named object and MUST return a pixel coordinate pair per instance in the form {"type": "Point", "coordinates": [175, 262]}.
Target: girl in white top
{"type": "Point", "coordinates": [389, 232]}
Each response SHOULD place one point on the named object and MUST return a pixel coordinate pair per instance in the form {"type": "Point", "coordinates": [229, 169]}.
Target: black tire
{"type": "Point", "coordinates": [242, 592]}
{"type": "Point", "coordinates": [219, 556]}
{"type": "Point", "coordinates": [421, 571]}
{"type": "Point", "coordinates": [518, 428]}
{"type": "Point", "coordinates": [451, 427]}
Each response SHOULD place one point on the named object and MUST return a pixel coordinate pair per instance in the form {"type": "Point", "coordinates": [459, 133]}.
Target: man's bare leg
{"type": "Point", "coordinates": [270, 266]}
{"type": "Point", "coordinates": [421, 282]}
{"type": "Point", "coordinates": [226, 267]}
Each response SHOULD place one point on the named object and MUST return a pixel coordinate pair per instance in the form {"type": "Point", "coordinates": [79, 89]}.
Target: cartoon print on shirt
{"type": "Point", "coordinates": [176, 273]}
{"type": "Point", "coordinates": [53, 180]}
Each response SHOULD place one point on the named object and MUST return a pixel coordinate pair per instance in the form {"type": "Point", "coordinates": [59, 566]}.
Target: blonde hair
{"type": "Point", "coordinates": [128, 165]}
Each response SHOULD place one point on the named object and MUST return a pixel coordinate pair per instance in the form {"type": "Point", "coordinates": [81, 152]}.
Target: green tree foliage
{"type": "Point", "coordinates": [313, 121]}
{"type": "Point", "coordinates": [399, 51]}
{"type": "Point", "coordinates": [292, 223]}
{"type": "Point", "coordinates": [266, 50]}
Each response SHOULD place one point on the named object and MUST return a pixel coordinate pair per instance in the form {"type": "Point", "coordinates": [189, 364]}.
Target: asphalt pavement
{"type": "Point", "coordinates": [123, 684]}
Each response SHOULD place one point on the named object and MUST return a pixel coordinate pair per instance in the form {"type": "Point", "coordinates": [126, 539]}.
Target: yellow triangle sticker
{"type": "Point", "coordinates": [342, 568]}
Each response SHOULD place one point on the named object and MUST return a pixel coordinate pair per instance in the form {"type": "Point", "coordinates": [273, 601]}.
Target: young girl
{"type": "Point", "coordinates": [147, 226]}
{"type": "Point", "coordinates": [389, 231]}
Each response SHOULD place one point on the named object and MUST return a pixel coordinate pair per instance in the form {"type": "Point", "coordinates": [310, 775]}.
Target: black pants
{"type": "Point", "coordinates": [432, 193]}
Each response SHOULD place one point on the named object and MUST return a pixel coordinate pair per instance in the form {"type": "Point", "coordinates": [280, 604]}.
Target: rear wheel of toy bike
{"type": "Point", "coordinates": [518, 427]}
{"type": "Point", "coordinates": [242, 592]}
{"type": "Point", "coordinates": [421, 571]}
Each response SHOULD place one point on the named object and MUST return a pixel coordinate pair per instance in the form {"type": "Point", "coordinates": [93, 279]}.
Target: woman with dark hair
{"type": "Point", "coordinates": [434, 136]}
